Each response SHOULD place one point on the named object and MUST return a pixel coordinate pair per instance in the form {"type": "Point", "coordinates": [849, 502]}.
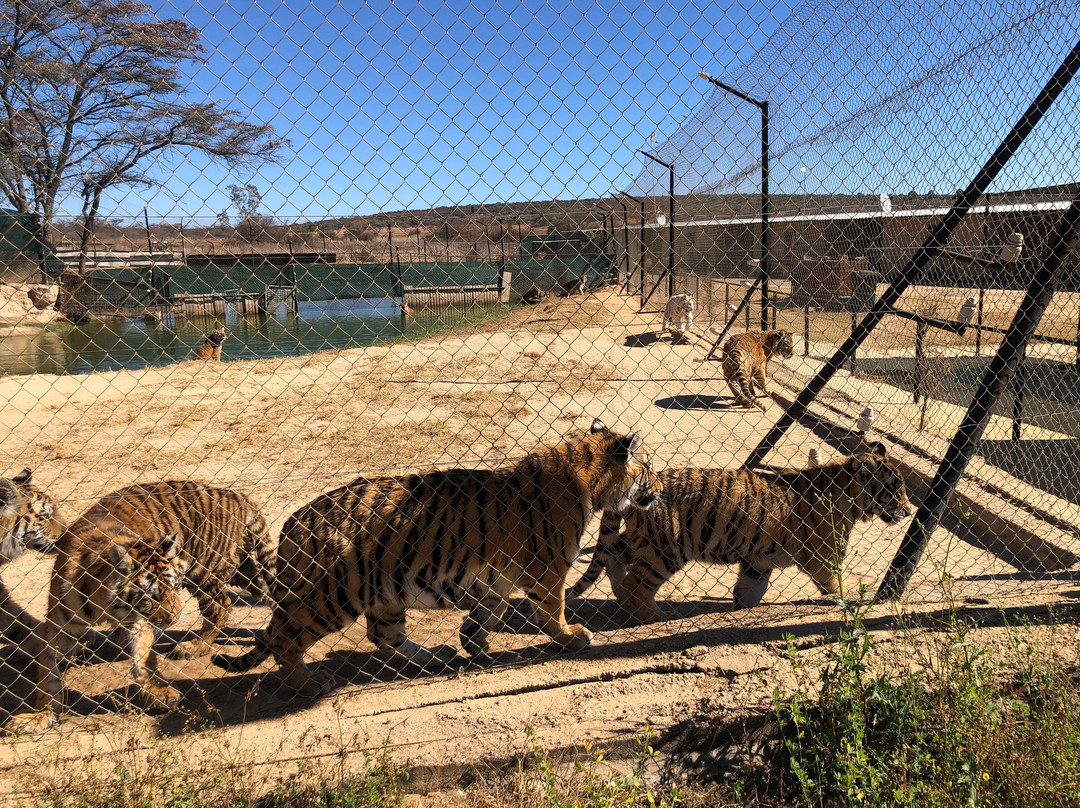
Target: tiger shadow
{"type": "Point", "coordinates": [214, 701]}
{"type": "Point", "coordinates": [697, 401]}
{"type": "Point", "coordinates": [642, 340]}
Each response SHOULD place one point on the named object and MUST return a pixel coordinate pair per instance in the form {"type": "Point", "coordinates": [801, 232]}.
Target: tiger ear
{"type": "Point", "coordinates": [120, 559]}
{"type": "Point", "coordinates": [597, 426]}
{"type": "Point", "coordinates": [877, 449]}
{"type": "Point", "coordinates": [23, 477]}
{"type": "Point", "coordinates": [170, 546]}
{"type": "Point", "coordinates": [626, 446]}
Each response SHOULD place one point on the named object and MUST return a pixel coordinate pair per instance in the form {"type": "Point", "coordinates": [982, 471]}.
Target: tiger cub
{"type": "Point", "coordinates": [678, 316]}
{"type": "Point", "coordinates": [28, 518]}
{"type": "Point", "coordinates": [762, 521]}
{"type": "Point", "coordinates": [745, 358]}
{"type": "Point", "coordinates": [123, 562]}
{"type": "Point", "coordinates": [211, 347]}
{"type": "Point", "coordinates": [465, 536]}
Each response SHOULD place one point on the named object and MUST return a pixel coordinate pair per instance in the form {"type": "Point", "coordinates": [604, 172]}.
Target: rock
{"type": "Point", "coordinates": [43, 297]}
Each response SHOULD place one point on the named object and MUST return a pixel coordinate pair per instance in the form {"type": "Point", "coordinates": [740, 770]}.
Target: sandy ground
{"type": "Point", "coordinates": [17, 310]}
{"type": "Point", "coordinates": [284, 430]}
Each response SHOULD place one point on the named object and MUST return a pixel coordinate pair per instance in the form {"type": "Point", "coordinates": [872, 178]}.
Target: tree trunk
{"type": "Point", "coordinates": [91, 204]}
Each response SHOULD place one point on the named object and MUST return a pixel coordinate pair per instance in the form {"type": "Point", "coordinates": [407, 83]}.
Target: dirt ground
{"type": "Point", "coordinates": [285, 430]}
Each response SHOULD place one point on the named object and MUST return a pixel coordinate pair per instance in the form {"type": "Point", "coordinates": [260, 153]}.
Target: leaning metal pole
{"type": "Point", "coordinates": [994, 380]}
{"type": "Point", "coordinates": [930, 249]}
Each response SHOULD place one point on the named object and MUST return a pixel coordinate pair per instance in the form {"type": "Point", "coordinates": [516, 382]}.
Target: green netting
{"type": "Point", "coordinates": [321, 281]}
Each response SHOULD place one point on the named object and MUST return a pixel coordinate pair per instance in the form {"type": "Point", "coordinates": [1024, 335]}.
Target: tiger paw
{"type": "Point", "coordinates": [575, 638]}
{"type": "Point", "coordinates": [192, 649]}
{"type": "Point", "coordinates": [30, 723]}
{"type": "Point", "coordinates": [652, 614]}
{"type": "Point", "coordinates": [159, 697]}
{"type": "Point", "coordinates": [474, 640]}
{"type": "Point", "coordinates": [311, 685]}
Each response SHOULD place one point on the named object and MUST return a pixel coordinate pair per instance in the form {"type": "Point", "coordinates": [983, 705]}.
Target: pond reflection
{"type": "Point", "coordinates": [134, 343]}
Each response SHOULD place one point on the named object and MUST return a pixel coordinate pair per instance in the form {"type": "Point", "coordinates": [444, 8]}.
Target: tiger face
{"type": "Point", "coordinates": [884, 492]}
{"type": "Point", "coordinates": [639, 486]}
{"type": "Point", "coordinates": [28, 517]}
{"type": "Point", "coordinates": [150, 574]}
{"type": "Point", "coordinates": [783, 344]}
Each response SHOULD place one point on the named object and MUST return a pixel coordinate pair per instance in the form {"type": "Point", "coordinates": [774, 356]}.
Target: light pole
{"type": "Point", "coordinates": [641, 248]}
{"type": "Point", "coordinates": [671, 227]}
{"type": "Point", "coordinates": [766, 261]}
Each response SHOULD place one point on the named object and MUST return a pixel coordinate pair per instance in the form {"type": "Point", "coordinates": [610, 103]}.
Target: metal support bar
{"type": "Point", "coordinates": [993, 383]}
{"type": "Point", "coordinates": [930, 250]}
{"type": "Point", "coordinates": [742, 305]}
{"type": "Point", "coordinates": [641, 247]}
{"type": "Point", "coordinates": [671, 231]}
{"type": "Point", "coordinates": [766, 259]}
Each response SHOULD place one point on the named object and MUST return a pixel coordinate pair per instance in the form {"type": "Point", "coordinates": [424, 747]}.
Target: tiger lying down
{"type": "Point", "coordinates": [762, 521]}
{"type": "Point", "coordinates": [465, 536]}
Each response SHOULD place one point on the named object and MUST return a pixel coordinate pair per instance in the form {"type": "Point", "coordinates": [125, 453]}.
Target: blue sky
{"type": "Point", "coordinates": [423, 104]}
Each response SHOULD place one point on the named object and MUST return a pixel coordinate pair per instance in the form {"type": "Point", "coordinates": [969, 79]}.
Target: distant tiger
{"type": "Point", "coordinates": [762, 521]}
{"type": "Point", "coordinates": [464, 536]}
{"type": "Point", "coordinates": [745, 358]}
{"type": "Point", "coordinates": [211, 347]}
{"type": "Point", "coordinates": [124, 561]}
{"type": "Point", "coordinates": [678, 315]}
{"type": "Point", "coordinates": [28, 518]}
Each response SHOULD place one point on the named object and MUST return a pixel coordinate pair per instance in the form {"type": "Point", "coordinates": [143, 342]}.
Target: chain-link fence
{"type": "Point", "coordinates": [318, 325]}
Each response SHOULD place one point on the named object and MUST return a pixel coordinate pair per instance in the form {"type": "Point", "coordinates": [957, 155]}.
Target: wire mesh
{"type": "Point", "coordinates": [345, 291]}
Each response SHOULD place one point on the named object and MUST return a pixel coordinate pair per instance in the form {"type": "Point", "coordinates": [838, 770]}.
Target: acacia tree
{"type": "Point", "coordinates": [246, 199]}
{"type": "Point", "coordinates": [90, 95]}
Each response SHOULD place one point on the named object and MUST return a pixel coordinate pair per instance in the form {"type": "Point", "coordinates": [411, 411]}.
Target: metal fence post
{"type": "Point", "coordinates": [994, 380]}
{"type": "Point", "coordinates": [930, 249]}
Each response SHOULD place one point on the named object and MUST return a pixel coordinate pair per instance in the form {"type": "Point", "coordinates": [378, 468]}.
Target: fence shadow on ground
{"type": "Point", "coordinates": [1046, 464]}
{"type": "Point", "coordinates": [217, 700]}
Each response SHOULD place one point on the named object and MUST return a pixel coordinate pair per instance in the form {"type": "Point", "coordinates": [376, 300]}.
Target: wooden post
{"type": "Point", "coordinates": [917, 381]}
{"type": "Point", "coordinates": [1019, 382]}
{"type": "Point", "coordinates": [806, 329]}
{"type": "Point", "coordinates": [505, 276]}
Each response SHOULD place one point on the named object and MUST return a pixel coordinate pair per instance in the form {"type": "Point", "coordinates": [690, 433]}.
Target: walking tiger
{"type": "Point", "coordinates": [467, 536]}
{"type": "Point", "coordinates": [123, 562]}
{"type": "Point", "coordinates": [745, 358]}
{"type": "Point", "coordinates": [761, 521]}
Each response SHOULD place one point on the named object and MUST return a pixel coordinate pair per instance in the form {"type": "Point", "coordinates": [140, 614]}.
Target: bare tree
{"type": "Point", "coordinates": [90, 96]}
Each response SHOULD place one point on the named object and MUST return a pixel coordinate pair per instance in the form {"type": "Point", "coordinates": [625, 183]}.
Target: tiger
{"type": "Point", "coordinates": [678, 316]}
{"type": "Point", "coordinates": [29, 517]}
{"type": "Point", "coordinates": [745, 358]}
{"type": "Point", "coordinates": [211, 347]}
{"type": "Point", "coordinates": [760, 520]}
{"type": "Point", "coordinates": [461, 536]}
{"type": "Point", "coordinates": [124, 561]}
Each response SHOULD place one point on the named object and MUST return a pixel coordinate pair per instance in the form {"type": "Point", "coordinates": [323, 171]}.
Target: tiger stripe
{"type": "Point", "coordinates": [761, 521]}
{"type": "Point", "coordinates": [745, 359]}
{"type": "Point", "coordinates": [461, 536]}
{"type": "Point", "coordinates": [123, 562]}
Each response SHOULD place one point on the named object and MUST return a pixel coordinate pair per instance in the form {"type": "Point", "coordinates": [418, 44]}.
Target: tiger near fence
{"type": "Point", "coordinates": [124, 561]}
{"type": "Point", "coordinates": [759, 520]}
{"type": "Point", "coordinates": [466, 537]}
{"type": "Point", "coordinates": [746, 357]}
{"type": "Point", "coordinates": [210, 349]}
{"type": "Point", "coordinates": [29, 519]}
{"type": "Point", "coordinates": [678, 316]}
